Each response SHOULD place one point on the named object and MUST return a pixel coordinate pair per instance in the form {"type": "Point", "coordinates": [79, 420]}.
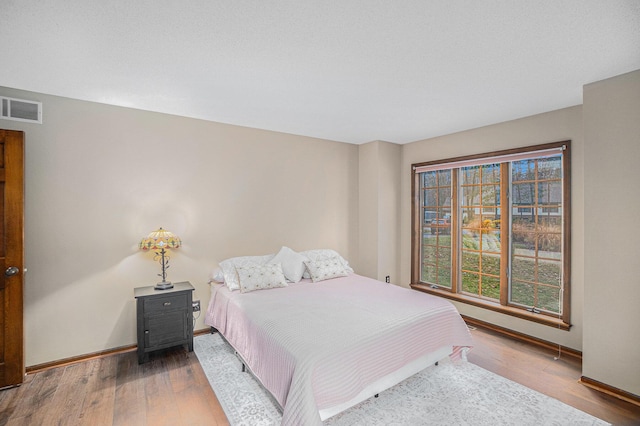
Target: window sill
{"type": "Point", "coordinates": [508, 310]}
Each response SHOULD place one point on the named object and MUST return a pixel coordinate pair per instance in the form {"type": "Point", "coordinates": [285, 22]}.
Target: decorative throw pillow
{"type": "Point", "coordinates": [325, 269]}
{"type": "Point", "coordinates": [320, 254]}
{"type": "Point", "coordinates": [292, 263]}
{"type": "Point", "coordinates": [229, 268]}
{"type": "Point", "coordinates": [261, 277]}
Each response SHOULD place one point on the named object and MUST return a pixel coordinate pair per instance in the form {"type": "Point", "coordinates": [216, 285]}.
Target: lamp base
{"type": "Point", "coordinates": [163, 285]}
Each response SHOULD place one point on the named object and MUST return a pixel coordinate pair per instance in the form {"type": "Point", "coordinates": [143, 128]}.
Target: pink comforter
{"type": "Point", "coordinates": [315, 345]}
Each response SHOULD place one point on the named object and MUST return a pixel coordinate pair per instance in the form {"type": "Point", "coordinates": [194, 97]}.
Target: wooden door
{"type": "Point", "coordinates": [11, 257]}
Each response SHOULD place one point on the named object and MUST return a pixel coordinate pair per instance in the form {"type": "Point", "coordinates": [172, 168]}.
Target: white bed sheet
{"type": "Point", "coordinates": [318, 347]}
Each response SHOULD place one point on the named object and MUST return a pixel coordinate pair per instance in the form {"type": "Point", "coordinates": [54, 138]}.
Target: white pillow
{"type": "Point", "coordinates": [261, 277]}
{"type": "Point", "coordinates": [217, 275]}
{"type": "Point", "coordinates": [325, 269]}
{"type": "Point", "coordinates": [320, 254]}
{"type": "Point", "coordinates": [292, 263]}
{"type": "Point", "coordinates": [229, 268]}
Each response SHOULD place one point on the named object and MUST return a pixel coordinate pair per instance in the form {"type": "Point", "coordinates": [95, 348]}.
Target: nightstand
{"type": "Point", "coordinates": [165, 318]}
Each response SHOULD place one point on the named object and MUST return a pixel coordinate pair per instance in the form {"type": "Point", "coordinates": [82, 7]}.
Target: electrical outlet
{"type": "Point", "coordinates": [196, 305]}
{"type": "Point", "coordinates": [387, 279]}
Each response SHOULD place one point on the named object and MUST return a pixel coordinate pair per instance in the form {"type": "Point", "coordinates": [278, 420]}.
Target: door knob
{"type": "Point", "coordinates": [12, 270]}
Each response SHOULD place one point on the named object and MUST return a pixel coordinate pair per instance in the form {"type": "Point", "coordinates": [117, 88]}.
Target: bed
{"type": "Point", "coordinates": [322, 344]}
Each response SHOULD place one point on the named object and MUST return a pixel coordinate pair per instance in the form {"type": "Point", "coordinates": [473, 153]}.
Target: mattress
{"type": "Point", "coordinates": [318, 348]}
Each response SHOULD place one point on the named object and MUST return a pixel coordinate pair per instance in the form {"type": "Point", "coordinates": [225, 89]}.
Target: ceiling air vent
{"type": "Point", "coordinates": [20, 110]}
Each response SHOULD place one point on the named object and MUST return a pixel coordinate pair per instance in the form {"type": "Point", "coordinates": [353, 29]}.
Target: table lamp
{"type": "Point", "coordinates": [161, 240]}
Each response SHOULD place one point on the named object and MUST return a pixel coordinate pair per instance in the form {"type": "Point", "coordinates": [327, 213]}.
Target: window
{"type": "Point", "coordinates": [492, 230]}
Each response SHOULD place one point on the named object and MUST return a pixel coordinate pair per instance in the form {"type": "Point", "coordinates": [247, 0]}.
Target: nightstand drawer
{"type": "Point", "coordinates": [169, 302]}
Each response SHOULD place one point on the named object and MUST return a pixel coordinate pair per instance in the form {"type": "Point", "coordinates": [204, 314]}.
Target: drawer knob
{"type": "Point", "coordinates": [167, 303]}
{"type": "Point", "coordinates": [146, 332]}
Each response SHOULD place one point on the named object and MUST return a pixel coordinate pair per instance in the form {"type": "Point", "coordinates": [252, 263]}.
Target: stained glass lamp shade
{"type": "Point", "coordinates": [161, 240]}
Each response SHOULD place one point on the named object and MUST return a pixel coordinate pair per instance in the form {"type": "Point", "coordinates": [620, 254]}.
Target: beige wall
{"type": "Point", "coordinates": [379, 210]}
{"type": "Point", "coordinates": [389, 211]}
{"type": "Point", "coordinates": [99, 178]}
{"type": "Point", "coordinates": [368, 209]}
{"type": "Point", "coordinates": [553, 126]}
{"type": "Point", "coordinates": [612, 207]}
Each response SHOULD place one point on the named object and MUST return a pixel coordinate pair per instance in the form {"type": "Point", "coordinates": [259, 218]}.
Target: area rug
{"type": "Point", "coordinates": [458, 393]}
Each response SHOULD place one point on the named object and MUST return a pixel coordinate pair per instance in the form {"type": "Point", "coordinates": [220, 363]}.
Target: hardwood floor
{"type": "Point", "coordinates": [171, 389]}
{"type": "Point", "coordinates": [535, 367]}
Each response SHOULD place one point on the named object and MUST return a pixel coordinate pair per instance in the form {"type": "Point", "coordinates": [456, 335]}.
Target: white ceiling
{"type": "Point", "coordinates": [352, 70]}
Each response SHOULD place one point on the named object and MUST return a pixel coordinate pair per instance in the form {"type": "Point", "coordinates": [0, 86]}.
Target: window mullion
{"type": "Point", "coordinates": [456, 229]}
{"type": "Point", "coordinates": [505, 220]}
{"type": "Point", "coordinates": [416, 219]}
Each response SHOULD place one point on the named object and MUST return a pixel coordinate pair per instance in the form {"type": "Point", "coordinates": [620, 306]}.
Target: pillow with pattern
{"type": "Point", "coordinates": [326, 268]}
{"type": "Point", "coordinates": [261, 277]}
{"type": "Point", "coordinates": [229, 266]}
{"type": "Point", "coordinates": [320, 254]}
